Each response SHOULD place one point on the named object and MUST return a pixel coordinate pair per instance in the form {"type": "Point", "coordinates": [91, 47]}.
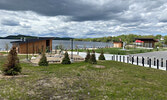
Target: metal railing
{"type": "Point", "coordinates": [142, 61]}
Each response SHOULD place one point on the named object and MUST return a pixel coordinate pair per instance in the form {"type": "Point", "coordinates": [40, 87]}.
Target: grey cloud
{"type": "Point", "coordinates": [79, 10]}
{"type": "Point", "coordinates": [84, 10]}
{"type": "Point", "coordinates": [10, 22]}
{"type": "Point", "coordinates": [163, 20]}
{"type": "Point", "coordinates": [81, 18]}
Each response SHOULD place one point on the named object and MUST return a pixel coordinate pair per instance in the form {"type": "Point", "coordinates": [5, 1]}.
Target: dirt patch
{"type": "Point", "coordinates": [99, 66]}
{"type": "Point", "coordinates": [56, 81]}
{"type": "Point", "coordinates": [16, 76]}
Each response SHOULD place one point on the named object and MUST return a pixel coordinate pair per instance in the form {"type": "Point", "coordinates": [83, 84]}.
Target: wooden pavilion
{"type": "Point", "coordinates": [32, 46]}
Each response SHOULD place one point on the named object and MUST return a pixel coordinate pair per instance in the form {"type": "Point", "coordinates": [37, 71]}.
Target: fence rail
{"type": "Point", "coordinates": [142, 61]}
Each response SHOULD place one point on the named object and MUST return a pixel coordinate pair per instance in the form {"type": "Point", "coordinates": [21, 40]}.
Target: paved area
{"type": "Point", "coordinates": [83, 55]}
{"type": "Point", "coordinates": [128, 58]}
{"type": "Point", "coordinates": [157, 54]}
{"type": "Point", "coordinates": [55, 58]}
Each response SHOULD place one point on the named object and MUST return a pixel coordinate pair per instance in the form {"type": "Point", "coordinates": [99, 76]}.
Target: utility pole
{"type": "Point", "coordinates": [72, 49]}
{"type": "Point", "coordinates": [27, 47]}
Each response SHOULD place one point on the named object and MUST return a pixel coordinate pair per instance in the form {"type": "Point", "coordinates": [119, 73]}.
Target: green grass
{"type": "Point", "coordinates": [123, 52]}
{"type": "Point", "coordinates": [83, 81]}
{"type": "Point", "coordinates": [4, 52]}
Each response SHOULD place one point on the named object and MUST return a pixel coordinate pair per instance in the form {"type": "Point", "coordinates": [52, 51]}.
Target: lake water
{"type": "Point", "coordinates": [3, 42]}
{"type": "Point", "coordinates": [65, 43]}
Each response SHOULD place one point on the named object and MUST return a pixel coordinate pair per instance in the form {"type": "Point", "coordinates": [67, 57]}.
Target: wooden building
{"type": "Point", "coordinates": [118, 44]}
{"type": "Point", "coordinates": [145, 42]}
{"type": "Point", "coordinates": [32, 46]}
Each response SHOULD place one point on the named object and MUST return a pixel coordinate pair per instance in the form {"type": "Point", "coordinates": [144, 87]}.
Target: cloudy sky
{"type": "Point", "coordinates": [83, 18]}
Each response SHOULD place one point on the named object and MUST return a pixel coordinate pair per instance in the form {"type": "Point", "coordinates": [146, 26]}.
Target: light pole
{"type": "Point", "coordinates": [27, 48]}
{"type": "Point", "coordinates": [72, 49]}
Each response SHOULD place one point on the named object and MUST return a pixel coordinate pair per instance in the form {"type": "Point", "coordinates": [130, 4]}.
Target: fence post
{"type": "Point", "coordinates": [127, 59]}
{"type": "Point", "coordinates": [147, 60]}
{"type": "Point", "coordinates": [132, 59]}
{"type": "Point", "coordinates": [143, 61]}
{"type": "Point", "coordinates": [150, 62]}
{"type": "Point", "coordinates": [161, 62]}
{"type": "Point", "coordinates": [154, 61]}
{"type": "Point", "coordinates": [157, 64]}
{"type": "Point", "coordinates": [137, 60]}
{"type": "Point", "coordinates": [123, 58]}
{"type": "Point", "coordinates": [117, 57]}
{"type": "Point", "coordinates": [166, 65]}
{"type": "Point", "coordinates": [120, 58]}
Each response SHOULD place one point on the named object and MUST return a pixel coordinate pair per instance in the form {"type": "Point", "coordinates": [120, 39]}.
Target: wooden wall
{"type": "Point", "coordinates": [118, 44]}
{"type": "Point", "coordinates": [150, 44]}
{"type": "Point", "coordinates": [33, 47]}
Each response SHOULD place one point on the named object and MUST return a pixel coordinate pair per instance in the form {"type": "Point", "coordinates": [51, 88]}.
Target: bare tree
{"type": "Point", "coordinates": [6, 47]}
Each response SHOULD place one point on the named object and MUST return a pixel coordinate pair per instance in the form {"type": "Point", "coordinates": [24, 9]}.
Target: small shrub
{"type": "Point", "coordinates": [12, 67]}
{"type": "Point", "coordinates": [78, 74]}
{"type": "Point", "coordinates": [101, 57]}
{"type": "Point", "coordinates": [87, 58]}
{"type": "Point", "coordinates": [93, 58]}
{"type": "Point", "coordinates": [66, 59]}
{"type": "Point", "coordinates": [127, 47]}
{"type": "Point", "coordinates": [43, 61]}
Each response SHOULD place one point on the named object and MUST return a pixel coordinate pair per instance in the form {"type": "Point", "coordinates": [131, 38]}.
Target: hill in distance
{"type": "Point", "coordinates": [32, 37]}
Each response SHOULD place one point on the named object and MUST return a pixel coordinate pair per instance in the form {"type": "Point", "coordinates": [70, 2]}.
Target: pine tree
{"type": "Point", "coordinates": [12, 67]}
{"type": "Point", "coordinates": [101, 57]}
{"type": "Point", "coordinates": [93, 58]}
{"type": "Point", "coordinates": [87, 58]}
{"type": "Point", "coordinates": [66, 59]}
{"type": "Point", "coordinates": [43, 61]}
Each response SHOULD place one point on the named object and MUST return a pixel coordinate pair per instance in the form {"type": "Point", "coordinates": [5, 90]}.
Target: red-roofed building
{"type": "Point", "coordinates": [145, 42]}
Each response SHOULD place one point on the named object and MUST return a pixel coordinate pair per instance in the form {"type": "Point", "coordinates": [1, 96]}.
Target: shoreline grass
{"type": "Point", "coordinates": [82, 81]}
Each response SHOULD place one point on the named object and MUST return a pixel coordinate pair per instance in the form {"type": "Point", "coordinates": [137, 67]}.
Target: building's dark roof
{"type": "Point", "coordinates": [146, 39]}
{"type": "Point", "coordinates": [30, 40]}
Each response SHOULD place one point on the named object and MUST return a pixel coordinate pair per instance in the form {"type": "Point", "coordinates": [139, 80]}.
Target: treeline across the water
{"type": "Point", "coordinates": [32, 37]}
{"type": "Point", "coordinates": [125, 38]}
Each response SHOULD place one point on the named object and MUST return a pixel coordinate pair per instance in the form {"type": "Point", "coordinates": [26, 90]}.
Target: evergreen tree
{"type": "Point", "coordinates": [12, 67]}
{"type": "Point", "coordinates": [87, 58]}
{"type": "Point", "coordinates": [43, 61]}
{"type": "Point", "coordinates": [66, 59]}
{"type": "Point", "coordinates": [101, 57]}
{"type": "Point", "coordinates": [93, 58]}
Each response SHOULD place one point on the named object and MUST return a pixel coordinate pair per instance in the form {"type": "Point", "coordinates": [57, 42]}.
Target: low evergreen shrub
{"type": "Point", "coordinates": [87, 58]}
{"type": "Point", "coordinates": [12, 67]}
{"type": "Point", "coordinates": [66, 59]}
{"type": "Point", "coordinates": [43, 61]}
{"type": "Point", "coordinates": [101, 57]}
{"type": "Point", "coordinates": [93, 58]}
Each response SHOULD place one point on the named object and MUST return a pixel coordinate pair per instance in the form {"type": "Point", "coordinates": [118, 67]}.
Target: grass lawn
{"type": "Point", "coordinates": [3, 52]}
{"type": "Point", "coordinates": [83, 81]}
{"type": "Point", "coordinates": [123, 52]}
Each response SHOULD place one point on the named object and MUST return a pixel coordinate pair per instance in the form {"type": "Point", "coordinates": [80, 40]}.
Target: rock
{"type": "Point", "coordinates": [99, 66]}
